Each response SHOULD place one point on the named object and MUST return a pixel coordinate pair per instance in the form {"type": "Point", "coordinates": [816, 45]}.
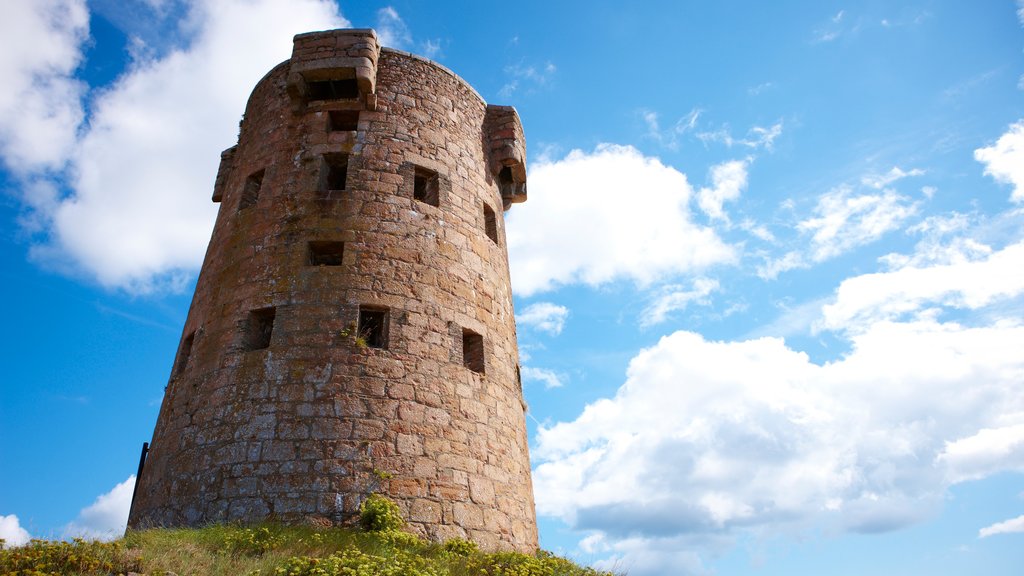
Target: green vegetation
{"type": "Point", "coordinates": [275, 550]}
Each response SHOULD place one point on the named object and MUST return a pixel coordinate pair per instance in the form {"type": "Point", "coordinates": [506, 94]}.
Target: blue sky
{"type": "Point", "coordinates": [768, 283]}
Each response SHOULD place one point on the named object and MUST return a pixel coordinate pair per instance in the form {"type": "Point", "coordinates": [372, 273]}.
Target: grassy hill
{"type": "Point", "coordinates": [276, 550]}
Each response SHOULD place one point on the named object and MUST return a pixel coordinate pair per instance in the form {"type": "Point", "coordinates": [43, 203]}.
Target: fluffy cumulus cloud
{"type": "Point", "coordinates": [138, 215]}
{"type": "Point", "coordinates": [40, 104]}
{"type": "Point", "coordinates": [728, 180]}
{"type": "Point", "coordinates": [1004, 160]}
{"type": "Point", "coordinates": [544, 316]}
{"type": "Point", "coordinates": [1006, 527]}
{"type": "Point", "coordinates": [913, 290]}
{"type": "Point", "coordinates": [107, 517]}
{"type": "Point", "coordinates": [11, 531]}
{"type": "Point", "coordinates": [606, 215]}
{"type": "Point", "coordinates": [707, 440]}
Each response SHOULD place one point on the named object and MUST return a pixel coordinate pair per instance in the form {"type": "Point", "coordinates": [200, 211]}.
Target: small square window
{"type": "Point", "coordinates": [473, 351]}
{"type": "Point", "coordinates": [346, 89]}
{"type": "Point", "coordinates": [334, 173]}
{"type": "Point", "coordinates": [373, 327]}
{"type": "Point", "coordinates": [251, 190]}
{"type": "Point", "coordinates": [490, 223]}
{"type": "Point", "coordinates": [343, 120]}
{"type": "Point", "coordinates": [258, 328]}
{"type": "Point", "coordinates": [183, 354]}
{"type": "Point", "coordinates": [425, 187]}
{"type": "Point", "coordinates": [326, 253]}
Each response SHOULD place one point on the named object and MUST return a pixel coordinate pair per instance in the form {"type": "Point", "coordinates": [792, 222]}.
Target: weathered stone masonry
{"type": "Point", "coordinates": [352, 327]}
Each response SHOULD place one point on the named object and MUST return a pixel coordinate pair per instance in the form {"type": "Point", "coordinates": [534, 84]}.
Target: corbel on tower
{"type": "Point", "coordinates": [337, 64]}
{"type": "Point", "coordinates": [507, 152]}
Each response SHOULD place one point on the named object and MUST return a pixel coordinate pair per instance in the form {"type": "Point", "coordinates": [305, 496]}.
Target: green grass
{"type": "Point", "coordinates": [276, 550]}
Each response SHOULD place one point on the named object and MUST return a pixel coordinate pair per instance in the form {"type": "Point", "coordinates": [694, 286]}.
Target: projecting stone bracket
{"type": "Point", "coordinates": [227, 160]}
{"type": "Point", "coordinates": [503, 133]}
{"type": "Point", "coordinates": [334, 65]}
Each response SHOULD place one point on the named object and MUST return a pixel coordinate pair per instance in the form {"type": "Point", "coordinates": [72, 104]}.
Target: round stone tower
{"type": "Point", "coordinates": [352, 327]}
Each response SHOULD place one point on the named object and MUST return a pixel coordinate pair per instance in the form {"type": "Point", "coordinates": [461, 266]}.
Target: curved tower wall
{"type": "Point", "coordinates": [352, 328]}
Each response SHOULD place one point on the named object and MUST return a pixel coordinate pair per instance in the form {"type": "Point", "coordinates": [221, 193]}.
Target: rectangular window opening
{"type": "Point", "coordinates": [346, 89]}
{"type": "Point", "coordinates": [334, 173]}
{"type": "Point", "coordinates": [183, 353]}
{"type": "Point", "coordinates": [258, 328]}
{"type": "Point", "coordinates": [373, 327]}
{"type": "Point", "coordinates": [343, 120]}
{"type": "Point", "coordinates": [326, 253]}
{"type": "Point", "coordinates": [251, 190]}
{"type": "Point", "coordinates": [425, 187]}
{"type": "Point", "coordinates": [473, 351]}
{"type": "Point", "coordinates": [491, 223]}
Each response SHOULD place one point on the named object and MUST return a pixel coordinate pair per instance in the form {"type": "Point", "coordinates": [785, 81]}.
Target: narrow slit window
{"type": "Point", "coordinates": [490, 223]}
{"type": "Point", "coordinates": [183, 353]}
{"type": "Point", "coordinates": [258, 329]}
{"type": "Point", "coordinates": [326, 253]}
{"type": "Point", "coordinates": [473, 351]}
{"type": "Point", "coordinates": [373, 327]}
{"type": "Point", "coordinates": [335, 172]}
{"type": "Point", "coordinates": [346, 89]}
{"type": "Point", "coordinates": [343, 120]}
{"type": "Point", "coordinates": [425, 187]}
{"type": "Point", "coordinates": [251, 190]}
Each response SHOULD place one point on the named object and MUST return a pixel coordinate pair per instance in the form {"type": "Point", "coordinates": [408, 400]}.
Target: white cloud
{"type": "Point", "coordinates": [544, 316]}
{"type": "Point", "coordinates": [879, 181]}
{"type": "Point", "coordinates": [674, 297]}
{"type": "Point", "coordinates": [1004, 160]}
{"type": "Point", "coordinates": [913, 290]}
{"type": "Point", "coordinates": [107, 517]}
{"type": "Point", "coordinates": [12, 532]}
{"type": "Point", "coordinates": [392, 30]}
{"type": "Point", "coordinates": [988, 451]}
{"type": "Point", "coordinates": [533, 75]}
{"type": "Point", "coordinates": [716, 439]}
{"type": "Point", "coordinates": [139, 216]}
{"type": "Point", "coordinates": [728, 180]}
{"type": "Point", "coordinates": [669, 138]}
{"type": "Point", "coordinates": [845, 219]}
{"type": "Point", "coordinates": [1013, 525]}
{"type": "Point", "coordinates": [611, 214]}
{"type": "Point", "coordinates": [40, 104]}
{"type": "Point", "coordinates": [757, 137]}
{"type": "Point", "coordinates": [549, 378]}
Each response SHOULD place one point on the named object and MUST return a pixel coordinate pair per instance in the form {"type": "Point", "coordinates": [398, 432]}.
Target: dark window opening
{"type": "Point", "coordinates": [473, 351]}
{"type": "Point", "coordinates": [373, 327]}
{"type": "Point", "coordinates": [346, 89]}
{"type": "Point", "coordinates": [505, 179]}
{"type": "Point", "coordinates": [335, 172]}
{"type": "Point", "coordinates": [258, 329]}
{"type": "Point", "coordinates": [326, 253]}
{"type": "Point", "coordinates": [251, 190]}
{"type": "Point", "coordinates": [425, 187]}
{"type": "Point", "coordinates": [343, 120]}
{"type": "Point", "coordinates": [490, 223]}
{"type": "Point", "coordinates": [183, 353]}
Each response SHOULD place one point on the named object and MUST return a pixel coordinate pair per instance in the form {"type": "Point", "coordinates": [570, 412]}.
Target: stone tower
{"type": "Point", "coordinates": [352, 327]}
